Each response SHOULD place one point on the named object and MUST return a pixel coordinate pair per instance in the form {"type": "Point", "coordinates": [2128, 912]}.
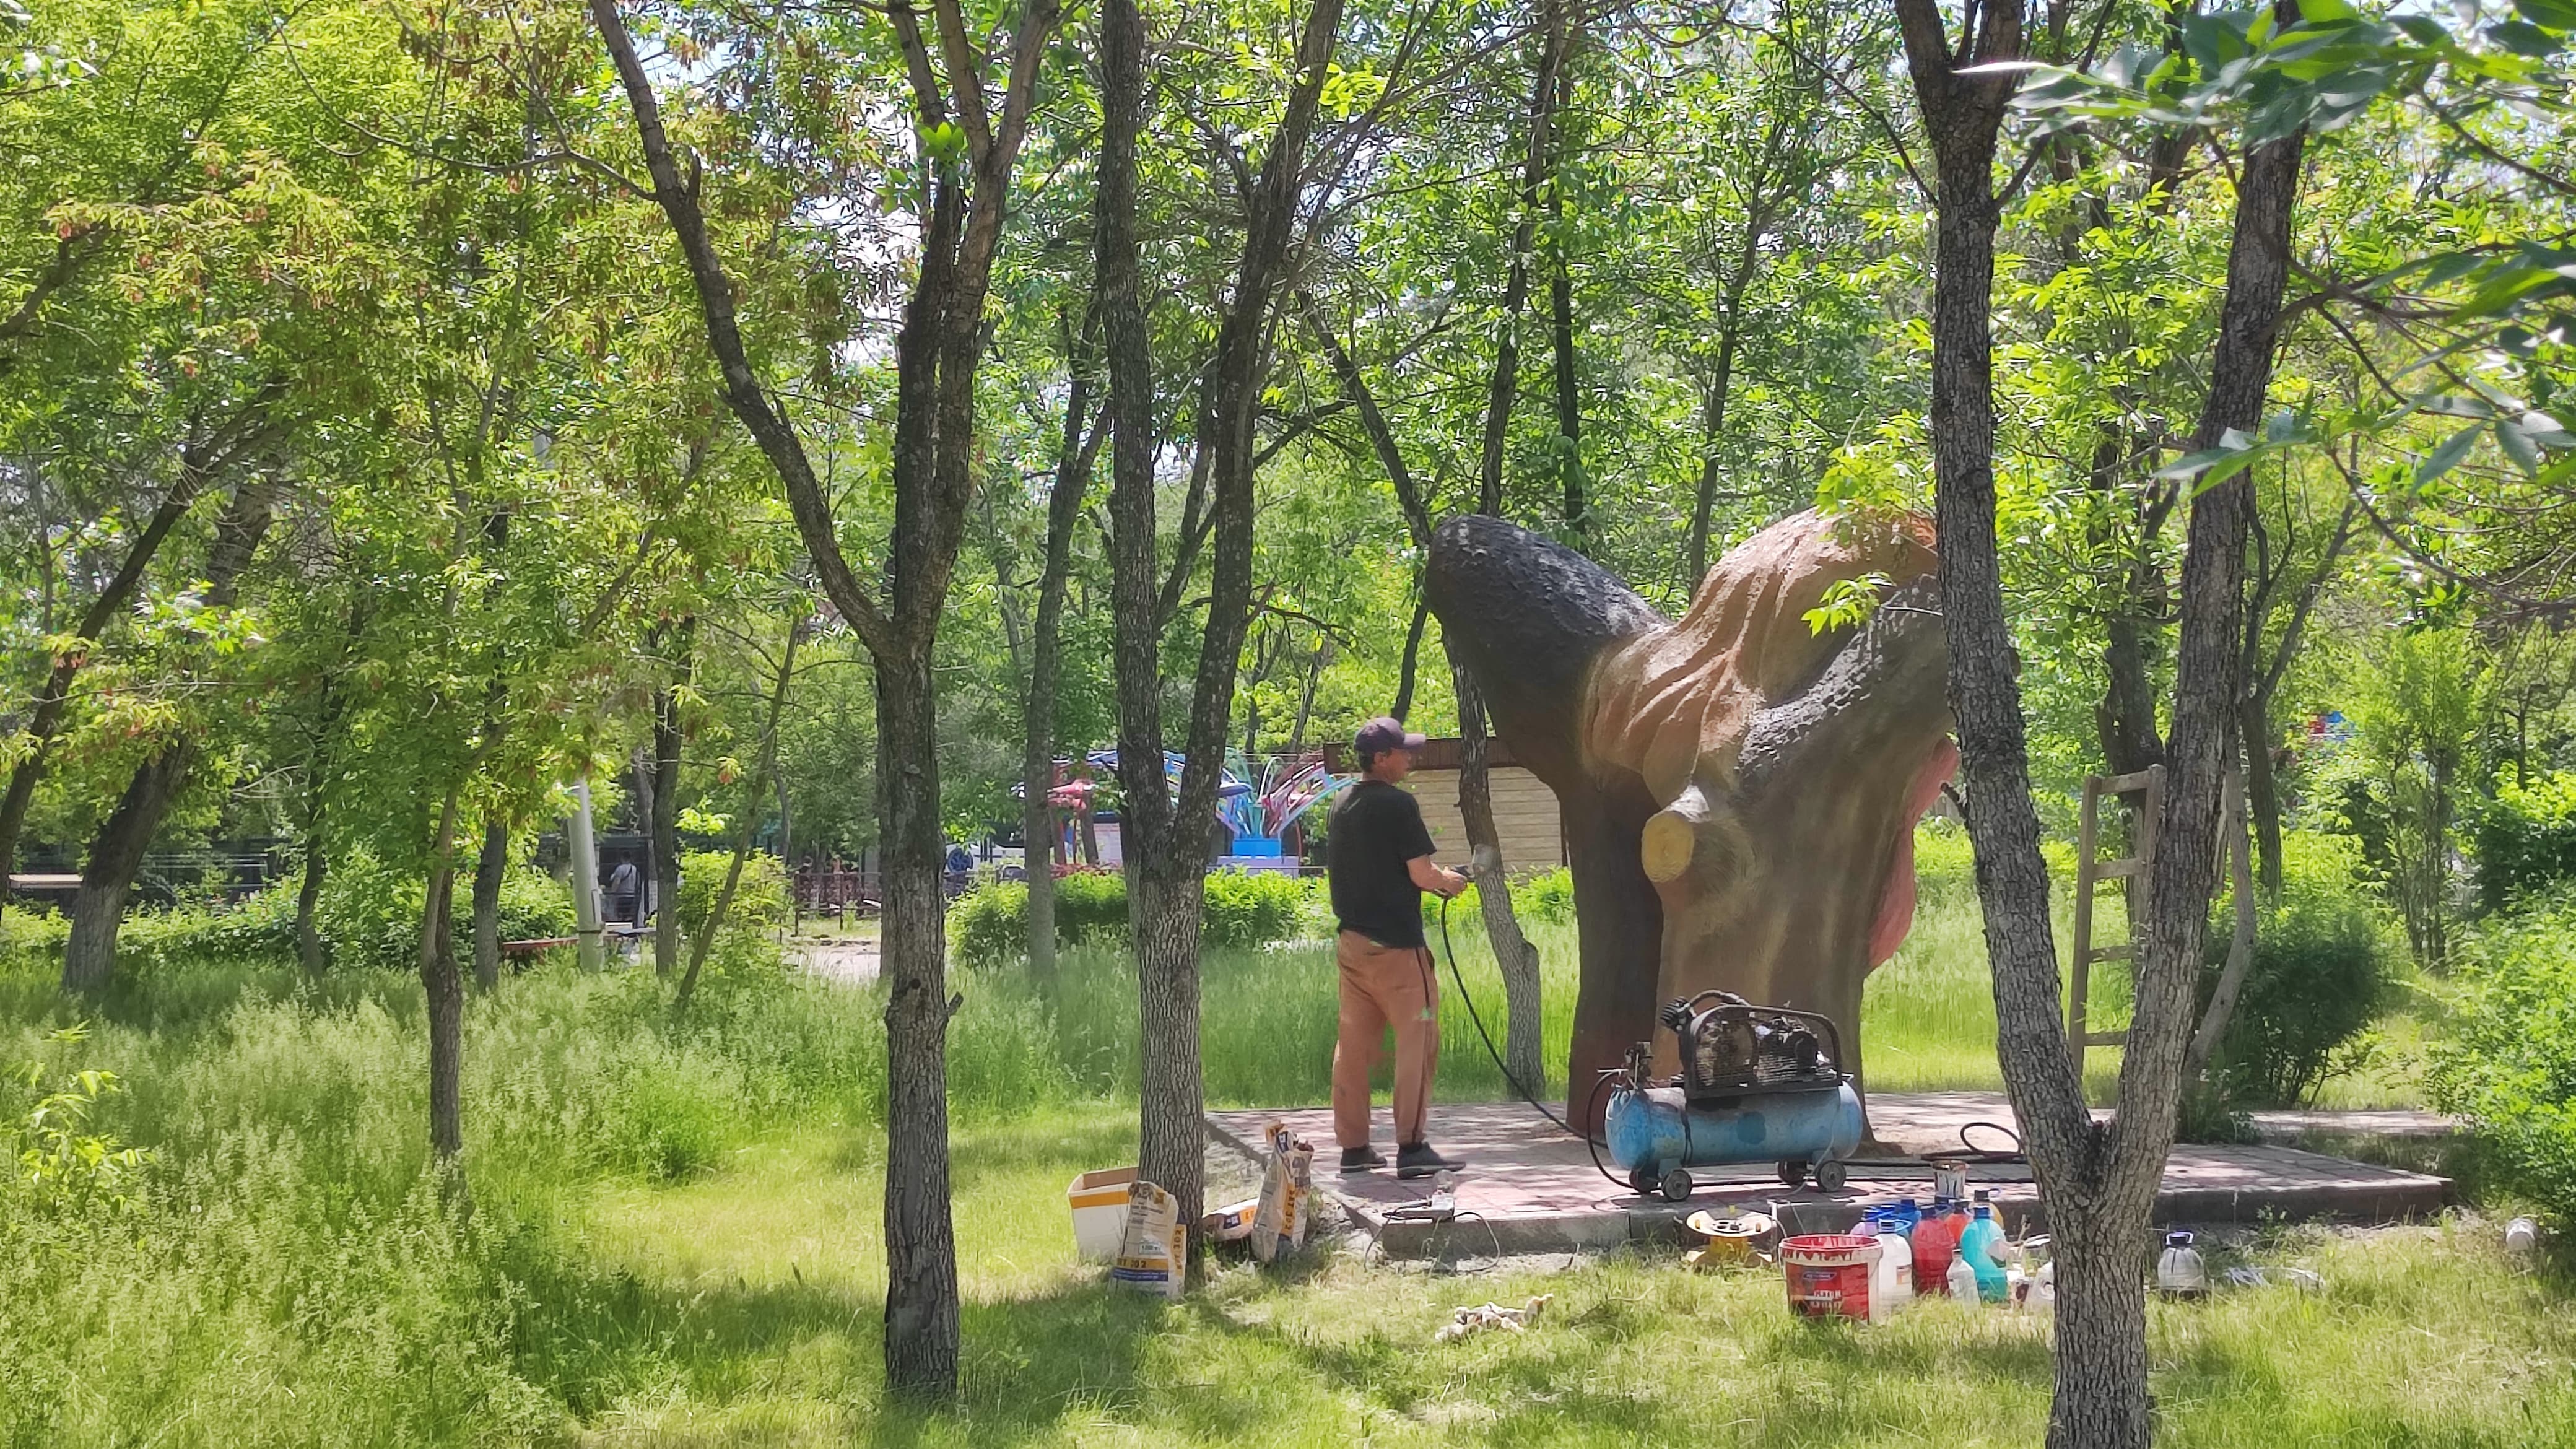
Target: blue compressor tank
{"type": "Point", "coordinates": [1654, 1134]}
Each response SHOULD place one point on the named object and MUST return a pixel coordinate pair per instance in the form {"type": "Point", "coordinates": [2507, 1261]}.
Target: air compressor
{"type": "Point", "coordinates": [1758, 1083]}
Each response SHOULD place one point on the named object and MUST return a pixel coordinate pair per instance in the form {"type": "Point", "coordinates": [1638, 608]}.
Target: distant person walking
{"type": "Point", "coordinates": [623, 902]}
{"type": "Point", "coordinates": [1378, 855]}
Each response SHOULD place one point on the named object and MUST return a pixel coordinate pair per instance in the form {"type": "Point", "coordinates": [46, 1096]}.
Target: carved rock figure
{"type": "Point", "coordinates": [1739, 791]}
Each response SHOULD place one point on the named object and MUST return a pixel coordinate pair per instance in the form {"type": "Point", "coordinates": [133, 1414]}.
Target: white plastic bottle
{"type": "Point", "coordinates": [1963, 1279]}
{"type": "Point", "coordinates": [2043, 1288]}
{"type": "Point", "coordinates": [1891, 1283]}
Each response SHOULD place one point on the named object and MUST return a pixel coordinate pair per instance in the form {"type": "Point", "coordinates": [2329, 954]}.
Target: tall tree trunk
{"type": "Point", "coordinates": [115, 858]}
{"type": "Point", "coordinates": [1712, 427]}
{"type": "Point", "coordinates": [445, 987]}
{"type": "Point", "coordinates": [1569, 401]}
{"type": "Point", "coordinates": [1408, 670]}
{"type": "Point", "coordinates": [921, 1245]}
{"type": "Point", "coordinates": [640, 765]}
{"type": "Point", "coordinates": [1167, 837]}
{"type": "Point", "coordinates": [666, 808]}
{"type": "Point", "coordinates": [1514, 957]}
{"type": "Point", "coordinates": [1505, 384]}
{"type": "Point", "coordinates": [936, 353]}
{"type": "Point", "coordinates": [116, 854]}
{"type": "Point", "coordinates": [2262, 790]}
{"type": "Point", "coordinates": [309, 948]}
{"type": "Point", "coordinates": [1046, 650]}
{"type": "Point", "coordinates": [45, 721]}
{"type": "Point", "coordinates": [2098, 1180]}
{"type": "Point", "coordinates": [491, 863]}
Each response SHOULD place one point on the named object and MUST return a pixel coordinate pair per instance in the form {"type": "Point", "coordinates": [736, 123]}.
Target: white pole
{"type": "Point", "coordinates": [585, 879]}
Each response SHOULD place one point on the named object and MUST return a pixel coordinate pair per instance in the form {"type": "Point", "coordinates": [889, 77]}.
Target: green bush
{"type": "Point", "coordinates": [2318, 978]}
{"type": "Point", "coordinates": [759, 898]}
{"type": "Point", "coordinates": [1548, 896]}
{"type": "Point", "coordinates": [2526, 839]}
{"type": "Point", "coordinates": [1252, 908]}
{"type": "Point", "coordinates": [1242, 908]}
{"type": "Point", "coordinates": [2510, 1063]}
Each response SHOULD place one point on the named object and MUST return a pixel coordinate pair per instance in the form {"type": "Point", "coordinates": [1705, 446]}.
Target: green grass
{"type": "Point", "coordinates": [668, 1233]}
{"type": "Point", "coordinates": [785, 1300]}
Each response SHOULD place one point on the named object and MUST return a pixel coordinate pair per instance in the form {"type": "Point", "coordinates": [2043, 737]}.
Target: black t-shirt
{"type": "Point", "coordinates": [1375, 828]}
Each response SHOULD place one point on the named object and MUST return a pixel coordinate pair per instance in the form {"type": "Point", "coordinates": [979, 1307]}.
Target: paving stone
{"type": "Point", "coordinates": [1534, 1188]}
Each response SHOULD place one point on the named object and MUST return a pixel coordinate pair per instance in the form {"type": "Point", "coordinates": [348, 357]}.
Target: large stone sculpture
{"type": "Point", "coordinates": [1739, 791]}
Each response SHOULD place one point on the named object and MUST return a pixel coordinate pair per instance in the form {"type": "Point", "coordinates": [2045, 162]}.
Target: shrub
{"type": "Point", "coordinates": [2318, 977]}
{"type": "Point", "coordinates": [2510, 1064]}
{"type": "Point", "coordinates": [1251, 908]}
{"type": "Point", "coordinates": [2526, 839]}
{"type": "Point", "coordinates": [1241, 908]}
{"type": "Point", "coordinates": [1548, 896]}
{"type": "Point", "coordinates": [759, 898]}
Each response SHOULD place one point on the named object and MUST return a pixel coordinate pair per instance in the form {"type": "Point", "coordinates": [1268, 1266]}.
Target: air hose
{"type": "Point", "coordinates": [1590, 1142]}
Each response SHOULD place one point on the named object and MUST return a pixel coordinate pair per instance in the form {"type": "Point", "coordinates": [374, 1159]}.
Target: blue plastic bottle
{"type": "Point", "coordinates": [1979, 1244]}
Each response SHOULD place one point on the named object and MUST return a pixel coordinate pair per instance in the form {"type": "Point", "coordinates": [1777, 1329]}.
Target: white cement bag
{"type": "Point", "coordinates": [1287, 1210]}
{"type": "Point", "coordinates": [1152, 1252]}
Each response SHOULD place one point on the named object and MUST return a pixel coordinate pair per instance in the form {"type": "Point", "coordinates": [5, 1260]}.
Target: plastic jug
{"type": "Point", "coordinates": [2179, 1272]}
{"type": "Point", "coordinates": [1961, 1280]}
{"type": "Point", "coordinates": [1891, 1283]}
{"type": "Point", "coordinates": [1933, 1241]}
{"type": "Point", "coordinates": [2043, 1288]}
{"type": "Point", "coordinates": [1981, 1243]}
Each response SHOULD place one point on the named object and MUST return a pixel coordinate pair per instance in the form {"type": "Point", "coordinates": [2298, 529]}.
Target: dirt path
{"type": "Point", "coordinates": [850, 961]}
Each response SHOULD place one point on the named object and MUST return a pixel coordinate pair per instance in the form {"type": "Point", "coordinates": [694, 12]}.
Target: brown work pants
{"type": "Point", "coordinates": [1384, 986]}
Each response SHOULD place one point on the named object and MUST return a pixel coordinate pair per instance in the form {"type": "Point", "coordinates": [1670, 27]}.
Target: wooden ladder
{"type": "Point", "coordinates": [2090, 872]}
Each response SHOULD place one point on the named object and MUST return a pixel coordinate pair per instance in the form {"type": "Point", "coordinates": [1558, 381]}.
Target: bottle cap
{"type": "Point", "coordinates": [2178, 1238]}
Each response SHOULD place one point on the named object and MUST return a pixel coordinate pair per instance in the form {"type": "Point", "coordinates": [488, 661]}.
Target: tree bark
{"type": "Point", "coordinates": [1569, 401]}
{"type": "Point", "coordinates": [309, 949]}
{"type": "Point", "coordinates": [1037, 760]}
{"type": "Point", "coordinates": [2262, 790]}
{"type": "Point", "coordinates": [1505, 385]}
{"type": "Point", "coordinates": [2097, 1180]}
{"type": "Point", "coordinates": [491, 864]}
{"type": "Point", "coordinates": [1514, 957]}
{"type": "Point", "coordinates": [936, 353]}
{"type": "Point", "coordinates": [52, 700]}
{"type": "Point", "coordinates": [1713, 425]}
{"type": "Point", "coordinates": [1166, 837]}
{"type": "Point", "coordinates": [445, 989]}
{"type": "Point", "coordinates": [116, 854]}
{"type": "Point", "coordinates": [921, 1248]}
{"type": "Point", "coordinates": [115, 858]}
{"type": "Point", "coordinates": [1409, 669]}
{"type": "Point", "coordinates": [665, 815]}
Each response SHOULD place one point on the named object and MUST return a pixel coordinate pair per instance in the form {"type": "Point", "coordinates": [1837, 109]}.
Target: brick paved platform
{"type": "Point", "coordinates": [1537, 1190]}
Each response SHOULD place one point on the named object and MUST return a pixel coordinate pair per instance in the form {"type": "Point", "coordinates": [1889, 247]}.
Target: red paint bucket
{"type": "Point", "coordinates": [1829, 1274]}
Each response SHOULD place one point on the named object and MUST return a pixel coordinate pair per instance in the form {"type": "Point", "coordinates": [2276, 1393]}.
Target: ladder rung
{"type": "Point", "coordinates": [2127, 784]}
{"type": "Point", "coordinates": [2121, 952]}
{"type": "Point", "coordinates": [2113, 869]}
{"type": "Point", "coordinates": [2106, 1038]}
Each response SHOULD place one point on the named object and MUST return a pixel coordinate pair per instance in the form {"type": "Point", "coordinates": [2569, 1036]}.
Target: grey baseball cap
{"type": "Point", "coordinates": [1382, 734]}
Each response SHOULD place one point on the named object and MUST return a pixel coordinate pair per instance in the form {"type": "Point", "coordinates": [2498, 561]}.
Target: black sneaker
{"type": "Point", "coordinates": [1361, 1159]}
{"type": "Point", "coordinates": [1419, 1160]}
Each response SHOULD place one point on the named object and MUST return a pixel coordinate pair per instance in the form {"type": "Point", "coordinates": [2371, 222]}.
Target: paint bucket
{"type": "Point", "coordinates": [1829, 1273]}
